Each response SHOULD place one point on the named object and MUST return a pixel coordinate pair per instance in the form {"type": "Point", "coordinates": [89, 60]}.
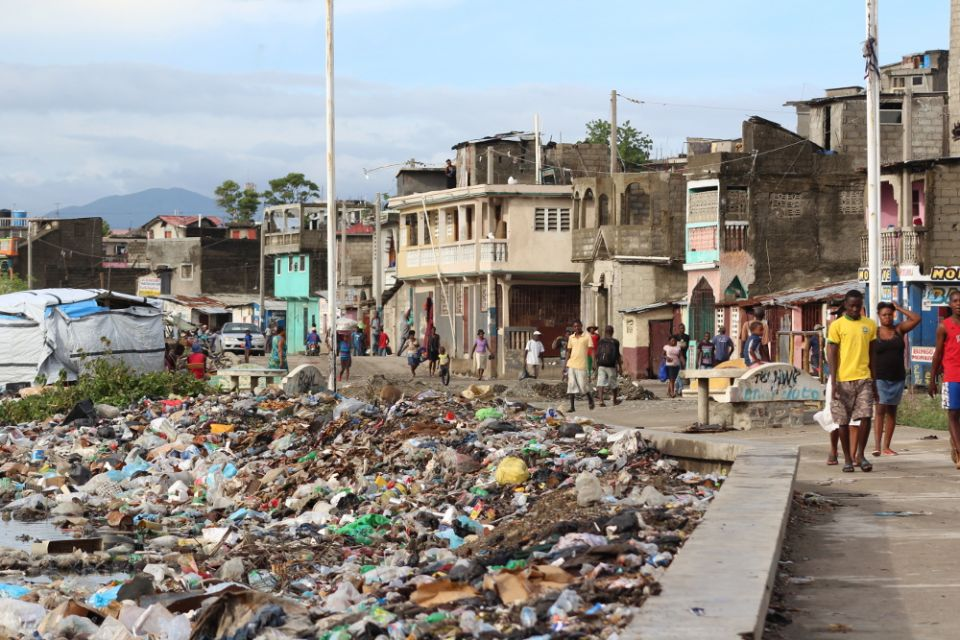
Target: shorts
{"type": "Point", "coordinates": [890, 392]}
{"type": "Point", "coordinates": [345, 362]}
{"type": "Point", "coordinates": [852, 400]}
{"type": "Point", "coordinates": [577, 381]}
{"type": "Point", "coordinates": [607, 377]}
{"type": "Point", "coordinates": [480, 360]}
{"type": "Point", "coordinates": [672, 373]}
{"type": "Point", "coordinates": [434, 356]}
{"type": "Point", "coordinates": [950, 396]}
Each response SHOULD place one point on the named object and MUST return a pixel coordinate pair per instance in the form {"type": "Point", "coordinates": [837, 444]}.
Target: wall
{"type": "Point", "coordinates": [420, 181]}
{"type": "Point", "coordinates": [635, 340]}
{"type": "Point", "coordinates": [66, 253]}
{"type": "Point", "coordinates": [954, 78]}
{"type": "Point", "coordinates": [943, 215]}
{"type": "Point", "coordinates": [929, 135]}
{"type": "Point", "coordinates": [173, 253]}
{"type": "Point", "coordinates": [231, 266]}
{"type": "Point", "coordinates": [291, 280]}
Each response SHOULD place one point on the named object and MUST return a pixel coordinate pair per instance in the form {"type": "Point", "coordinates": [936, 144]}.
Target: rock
{"type": "Point", "coordinates": [570, 430]}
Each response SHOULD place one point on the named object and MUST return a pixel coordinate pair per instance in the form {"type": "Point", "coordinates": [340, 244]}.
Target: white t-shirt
{"type": "Point", "coordinates": [535, 349]}
{"type": "Point", "coordinates": [672, 355]}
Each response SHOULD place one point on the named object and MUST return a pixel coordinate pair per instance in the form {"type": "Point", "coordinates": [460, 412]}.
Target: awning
{"type": "Point", "coordinates": [213, 311]}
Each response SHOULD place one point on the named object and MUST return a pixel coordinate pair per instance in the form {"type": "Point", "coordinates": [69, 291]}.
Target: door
{"type": "Point", "coordinates": [660, 331]}
{"type": "Point", "coordinates": [702, 315]}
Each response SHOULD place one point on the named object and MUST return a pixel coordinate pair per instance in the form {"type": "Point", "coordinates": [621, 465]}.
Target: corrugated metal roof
{"type": "Point", "coordinates": [795, 297]}
{"type": "Point", "coordinates": [649, 307]}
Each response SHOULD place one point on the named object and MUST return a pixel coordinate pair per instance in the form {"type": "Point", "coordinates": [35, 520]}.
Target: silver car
{"type": "Point", "coordinates": [232, 334]}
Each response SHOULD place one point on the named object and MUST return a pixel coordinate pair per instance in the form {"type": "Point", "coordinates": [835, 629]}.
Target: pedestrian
{"type": "Point", "coordinates": [722, 346]}
{"type": "Point", "coordinates": [197, 361]}
{"type": "Point", "coordinates": [383, 343]}
{"type": "Point", "coordinates": [609, 365]}
{"type": "Point", "coordinates": [560, 343]}
{"type": "Point", "coordinates": [705, 352]}
{"type": "Point", "coordinates": [171, 356]}
{"type": "Point", "coordinates": [247, 346]}
{"type": "Point", "coordinates": [410, 344]}
{"type": "Point", "coordinates": [849, 352]}
{"type": "Point", "coordinates": [357, 339]}
{"type": "Point", "coordinates": [593, 331]}
{"type": "Point", "coordinates": [533, 354]}
{"type": "Point", "coordinates": [343, 348]}
{"type": "Point", "coordinates": [433, 350]}
{"type": "Point", "coordinates": [672, 358]}
{"type": "Point", "coordinates": [683, 341]}
{"type": "Point", "coordinates": [450, 174]}
{"type": "Point", "coordinates": [947, 355]}
{"type": "Point", "coordinates": [444, 364]}
{"type": "Point", "coordinates": [815, 349]}
{"type": "Point", "coordinates": [890, 373]}
{"type": "Point", "coordinates": [480, 352]}
{"type": "Point", "coordinates": [754, 346]}
{"type": "Point", "coordinates": [278, 352]}
{"type": "Point", "coordinates": [578, 382]}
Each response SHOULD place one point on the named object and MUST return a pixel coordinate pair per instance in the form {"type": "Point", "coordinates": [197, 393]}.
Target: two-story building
{"type": "Point", "coordinates": [628, 243]}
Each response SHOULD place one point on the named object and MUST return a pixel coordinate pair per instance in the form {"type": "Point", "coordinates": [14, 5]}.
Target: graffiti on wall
{"type": "Point", "coordinates": [776, 382]}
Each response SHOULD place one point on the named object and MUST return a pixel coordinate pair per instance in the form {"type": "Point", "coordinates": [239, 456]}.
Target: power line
{"type": "Point", "coordinates": [701, 106]}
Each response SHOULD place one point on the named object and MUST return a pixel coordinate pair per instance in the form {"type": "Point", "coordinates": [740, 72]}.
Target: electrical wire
{"type": "Point", "coordinates": [701, 106]}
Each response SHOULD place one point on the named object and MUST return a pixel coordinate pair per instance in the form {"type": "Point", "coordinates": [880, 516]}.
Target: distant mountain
{"type": "Point", "coordinates": [134, 209]}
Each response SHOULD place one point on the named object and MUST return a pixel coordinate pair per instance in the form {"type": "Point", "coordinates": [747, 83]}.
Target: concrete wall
{"type": "Point", "coordinates": [174, 253]}
{"type": "Point", "coordinates": [954, 78]}
{"type": "Point", "coordinates": [420, 181]}
{"type": "Point", "coordinates": [943, 215]}
{"type": "Point", "coordinates": [66, 253]}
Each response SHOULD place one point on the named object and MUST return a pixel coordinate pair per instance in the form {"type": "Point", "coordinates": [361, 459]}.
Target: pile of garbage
{"type": "Point", "coordinates": [241, 516]}
{"type": "Point", "coordinates": [627, 390]}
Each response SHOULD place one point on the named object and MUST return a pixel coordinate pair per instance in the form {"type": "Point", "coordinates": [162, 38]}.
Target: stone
{"type": "Point", "coordinates": [304, 379]}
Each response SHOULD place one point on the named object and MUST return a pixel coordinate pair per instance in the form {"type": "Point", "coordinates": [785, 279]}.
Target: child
{"type": "Point", "coordinates": [247, 345]}
{"type": "Point", "coordinates": [345, 360]}
{"type": "Point", "coordinates": [414, 359]}
{"type": "Point", "coordinates": [444, 363]}
{"type": "Point", "coordinates": [754, 344]}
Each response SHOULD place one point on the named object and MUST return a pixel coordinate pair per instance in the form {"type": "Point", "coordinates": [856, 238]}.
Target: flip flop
{"type": "Point", "coordinates": [832, 461]}
{"type": "Point", "coordinates": [848, 467]}
{"type": "Point", "coordinates": [865, 465]}
{"type": "Point", "coordinates": [876, 453]}
{"type": "Point", "coordinates": [890, 452]}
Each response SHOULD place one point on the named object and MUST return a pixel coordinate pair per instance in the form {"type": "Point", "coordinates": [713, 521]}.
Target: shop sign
{"type": "Point", "coordinates": [922, 354]}
{"type": "Point", "coordinates": [945, 274]}
{"type": "Point", "coordinates": [148, 287]}
{"type": "Point", "coordinates": [886, 274]}
{"type": "Point", "coordinates": [936, 296]}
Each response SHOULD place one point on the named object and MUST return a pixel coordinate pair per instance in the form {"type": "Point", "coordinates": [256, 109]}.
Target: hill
{"type": "Point", "coordinates": [134, 209]}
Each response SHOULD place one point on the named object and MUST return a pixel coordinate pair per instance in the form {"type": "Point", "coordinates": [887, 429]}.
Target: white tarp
{"type": "Point", "coordinates": [42, 333]}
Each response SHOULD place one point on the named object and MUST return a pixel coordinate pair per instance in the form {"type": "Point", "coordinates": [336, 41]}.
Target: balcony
{"type": "Point", "coordinates": [453, 258]}
{"type": "Point", "coordinates": [298, 241]}
{"type": "Point", "coordinates": [903, 246]}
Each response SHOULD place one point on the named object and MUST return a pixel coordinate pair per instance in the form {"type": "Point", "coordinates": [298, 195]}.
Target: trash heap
{"type": "Point", "coordinates": [241, 516]}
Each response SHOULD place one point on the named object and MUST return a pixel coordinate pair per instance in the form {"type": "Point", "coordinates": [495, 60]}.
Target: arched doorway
{"type": "Point", "coordinates": [587, 210]}
{"type": "Point", "coordinates": [702, 311]}
{"type": "Point", "coordinates": [636, 208]}
{"type": "Point", "coordinates": [604, 209]}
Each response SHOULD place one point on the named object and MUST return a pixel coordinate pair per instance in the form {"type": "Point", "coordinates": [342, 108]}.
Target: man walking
{"type": "Point", "coordinates": [722, 346]}
{"type": "Point", "coordinates": [947, 355]}
{"type": "Point", "coordinates": [532, 354]}
{"type": "Point", "coordinates": [609, 365]}
{"type": "Point", "coordinates": [849, 347]}
{"type": "Point", "coordinates": [578, 382]}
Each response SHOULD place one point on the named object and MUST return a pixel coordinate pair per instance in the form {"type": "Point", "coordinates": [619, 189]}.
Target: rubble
{"type": "Point", "coordinates": [396, 515]}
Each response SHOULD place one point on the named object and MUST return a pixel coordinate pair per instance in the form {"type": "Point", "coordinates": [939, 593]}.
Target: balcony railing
{"type": "Point", "coordinates": [493, 251]}
{"type": "Point", "coordinates": [897, 247]}
{"type": "Point", "coordinates": [462, 257]}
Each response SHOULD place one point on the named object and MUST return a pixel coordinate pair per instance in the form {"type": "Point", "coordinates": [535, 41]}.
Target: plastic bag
{"type": "Point", "coordinates": [512, 470]}
{"type": "Point", "coordinates": [825, 417]}
{"type": "Point", "coordinates": [662, 374]}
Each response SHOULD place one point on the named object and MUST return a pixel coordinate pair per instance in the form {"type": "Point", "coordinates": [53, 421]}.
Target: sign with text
{"type": "Point", "coordinates": [922, 354]}
{"type": "Point", "coordinates": [776, 382]}
{"type": "Point", "coordinates": [945, 274]}
{"type": "Point", "coordinates": [936, 296]}
{"type": "Point", "coordinates": [148, 287]}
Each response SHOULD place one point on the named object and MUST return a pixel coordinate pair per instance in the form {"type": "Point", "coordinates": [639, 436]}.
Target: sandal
{"type": "Point", "coordinates": [890, 452]}
{"type": "Point", "coordinates": [832, 461]}
{"type": "Point", "coordinates": [865, 465]}
{"type": "Point", "coordinates": [848, 467]}
{"type": "Point", "coordinates": [876, 453]}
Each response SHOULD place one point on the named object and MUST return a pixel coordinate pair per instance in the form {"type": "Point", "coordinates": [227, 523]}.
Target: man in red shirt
{"type": "Point", "coordinates": [947, 355]}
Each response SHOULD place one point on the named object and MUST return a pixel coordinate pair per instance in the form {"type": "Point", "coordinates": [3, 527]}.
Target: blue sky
{"type": "Point", "coordinates": [111, 96]}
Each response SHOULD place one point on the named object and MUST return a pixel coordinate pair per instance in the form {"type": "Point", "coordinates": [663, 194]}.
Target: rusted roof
{"type": "Point", "coordinates": [795, 297]}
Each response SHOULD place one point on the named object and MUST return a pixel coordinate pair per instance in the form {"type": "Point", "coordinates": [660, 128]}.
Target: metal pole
{"type": "Point", "coordinates": [262, 279]}
{"type": "Point", "coordinates": [538, 151]}
{"type": "Point", "coordinates": [29, 253]}
{"type": "Point", "coordinates": [377, 265]}
{"type": "Point", "coordinates": [873, 157]}
{"type": "Point", "coordinates": [613, 132]}
{"type": "Point", "coordinates": [331, 208]}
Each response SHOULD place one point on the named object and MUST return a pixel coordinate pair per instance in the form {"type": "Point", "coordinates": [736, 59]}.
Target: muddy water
{"type": "Point", "coordinates": [13, 532]}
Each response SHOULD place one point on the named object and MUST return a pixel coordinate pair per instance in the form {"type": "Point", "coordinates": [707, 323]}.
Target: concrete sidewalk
{"type": "Point", "coordinates": [880, 576]}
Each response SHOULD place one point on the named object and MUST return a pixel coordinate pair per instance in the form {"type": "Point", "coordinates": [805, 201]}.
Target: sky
{"type": "Point", "coordinates": [105, 97]}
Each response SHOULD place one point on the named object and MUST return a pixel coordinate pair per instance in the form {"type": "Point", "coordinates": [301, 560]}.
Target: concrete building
{"type": "Point", "coordinates": [420, 179]}
{"type": "Point", "coordinates": [66, 253]}
{"type": "Point", "coordinates": [166, 227]}
{"type": "Point", "coordinates": [782, 213]}
{"type": "Point", "coordinates": [628, 234]}
{"type": "Point", "coordinates": [296, 247]}
{"type": "Point", "coordinates": [489, 256]}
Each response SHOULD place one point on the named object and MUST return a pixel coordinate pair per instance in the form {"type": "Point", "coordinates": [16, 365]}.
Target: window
{"type": "Point", "coordinates": [551, 219]}
{"type": "Point", "coordinates": [469, 223]}
{"type": "Point", "coordinates": [787, 205]}
{"type": "Point", "coordinates": [303, 263]}
{"type": "Point", "coordinates": [450, 222]}
{"type": "Point", "coordinates": [413, 230]}
{"type": "Point", "coordinates": [898, 82]}
{"type": "Point", "coordinates": [186, 271]}
{"type": "Point", "coordinates": [277, 263]}
{"type": "Point", "coordinates": [167, 234]}
{"type": "Point", "coordinates": [891, 113]}
{"type": "Point", "coordinates": [917, 81]}
{"type": "Point", "coordinates": [290, 264]}
{"type": "Point", "coordinates": [703, 238]}
{"type": "Point", "coordinates": [851, 202]}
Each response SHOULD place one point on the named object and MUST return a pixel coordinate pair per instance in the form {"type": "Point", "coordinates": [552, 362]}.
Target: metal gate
{"type": "Point", "coordinates": [702, 313]}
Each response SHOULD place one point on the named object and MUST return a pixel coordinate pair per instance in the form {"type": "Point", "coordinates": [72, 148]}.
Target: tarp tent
{"type": "Point", "coordinates": [46, 331]}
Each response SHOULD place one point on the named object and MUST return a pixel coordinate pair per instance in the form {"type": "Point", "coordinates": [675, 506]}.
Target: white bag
{"type": "Point", "coordinates": [825, 418]}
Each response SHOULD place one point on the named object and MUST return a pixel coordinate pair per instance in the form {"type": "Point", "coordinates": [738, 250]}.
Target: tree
{"type": "Point", "coordinates": [240, 204]}
{"type": "Point", "coordinates": [105, 229]}
{"type": "Point", "coordinates": [10, 283]}
{"type": "Point", "coordinates": [293, 188]}
{"type": "Point", "coordinates": [634, 146]}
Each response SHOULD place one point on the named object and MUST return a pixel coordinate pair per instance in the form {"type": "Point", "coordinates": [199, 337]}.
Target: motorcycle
{"type": "Point", "coordinates": [313, 349]}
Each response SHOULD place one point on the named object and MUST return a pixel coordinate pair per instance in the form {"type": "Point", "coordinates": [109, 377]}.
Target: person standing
{"type": "Point", "coordinates": [683, 341]}
{"type": "Point", "coordinates": [722, 346]}
{"type": "Point", "coordinates": [705, 352]}
{"type": "Point", "coordinates": [754, 346]}
{"type": "Point", "coordinates": [890, 373]}
{"type": "Point", "coordinates": [383, 343]}
{"type": "Point", "coordinates": [197, 361]}
{"type": "Point", "coordinates": [816, 349]}
{"type": "Point", "coordinates": [433, 350]}
{"type": "Point", "coordinates": [278, 352]}
{"type": "Point", "coordinates": [533, 353]}
{"type": "Point", "coordinates": [947, 356]}
{"type": "Point", "coordinates": [849, 352]}
{"type": "Point", "coordinates": [450, 173]}
{"type": "Point", "coordinates": [672, 358]}
{"type": "Point", "coordinates": [247, 346]}
{"type": "Point", "coordinates": [480, 352]}
{"type": "Point", "coordinates": [578, 382]}
{"type": "Point", "coordinates": [343, 348]}
{"type": "Point", "coordinates": [594, 334]}
{"type": "Point", "coordinates": [609, 365]}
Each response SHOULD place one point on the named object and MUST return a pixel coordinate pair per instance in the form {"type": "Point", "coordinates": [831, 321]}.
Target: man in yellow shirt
{"type": "Point", "coordinates": [578, 382]}
{"type": "Point", "coordinates": [849, 345]}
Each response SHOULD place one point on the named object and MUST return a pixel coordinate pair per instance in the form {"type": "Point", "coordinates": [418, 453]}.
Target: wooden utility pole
{"type": "Point", "coordinates": [873, 157]}
{"type": "Point", "coordinates": [331, 207]}
{"type": "Point", "coordinates": [614, 163]}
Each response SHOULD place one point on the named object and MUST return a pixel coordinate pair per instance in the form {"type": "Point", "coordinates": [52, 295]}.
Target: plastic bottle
{"type": "Point", "coordinates": [528, 617]}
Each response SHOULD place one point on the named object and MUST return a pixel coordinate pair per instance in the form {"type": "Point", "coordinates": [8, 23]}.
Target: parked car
{"type": "Point", "coordinates": [231, 337]}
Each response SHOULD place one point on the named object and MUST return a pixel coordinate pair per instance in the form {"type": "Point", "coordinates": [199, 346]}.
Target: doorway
{"type": "Point", "coordinates": [660, 331]}
{"type": "Point", "coordinates": [702, 311]}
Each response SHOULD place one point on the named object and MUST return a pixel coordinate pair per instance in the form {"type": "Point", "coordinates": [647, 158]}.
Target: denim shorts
{"type": "Point", "coordinates": [890, 392]}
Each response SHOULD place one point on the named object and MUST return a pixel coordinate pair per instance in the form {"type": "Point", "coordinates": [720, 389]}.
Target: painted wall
{"type": "Point", "coordinates": [291, 276]}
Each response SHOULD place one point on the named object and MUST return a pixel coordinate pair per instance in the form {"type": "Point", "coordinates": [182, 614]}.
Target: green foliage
{"type": "Point", "coordinates": [920, 410]}
{"type": "Point", "coordinates": [634, 146]}
{"type": "Point", "coordinates": [11, 283]}
{"type": "Point", "coordinates": [104, 380]}
{"type": "Point", "coordinates": [241, 204]}
{"type": "Point", "coordinates": [292, 188]}
{"type": "Point", "coordinates": [105, 229]}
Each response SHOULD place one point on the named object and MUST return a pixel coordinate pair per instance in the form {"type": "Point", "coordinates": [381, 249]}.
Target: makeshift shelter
{"type": "Point", "coordinates": [46, 331]}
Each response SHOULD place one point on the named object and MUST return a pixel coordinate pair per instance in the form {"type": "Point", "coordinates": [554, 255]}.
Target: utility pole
{"type": "Point", "coordinates": [613, 132]}
{"type": "Point", "coordinates": [538, 155]}
{"type": "Point", "coordinates": [262, 279]}
{"type": "Point", "coordinates": [377, 261]}
{"type": "Point", "coordinates": [331, 208]}
{"type": "Point", "coordinates": [873, 157]}
{"type": "Point", "coordinates": [29, 253]}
